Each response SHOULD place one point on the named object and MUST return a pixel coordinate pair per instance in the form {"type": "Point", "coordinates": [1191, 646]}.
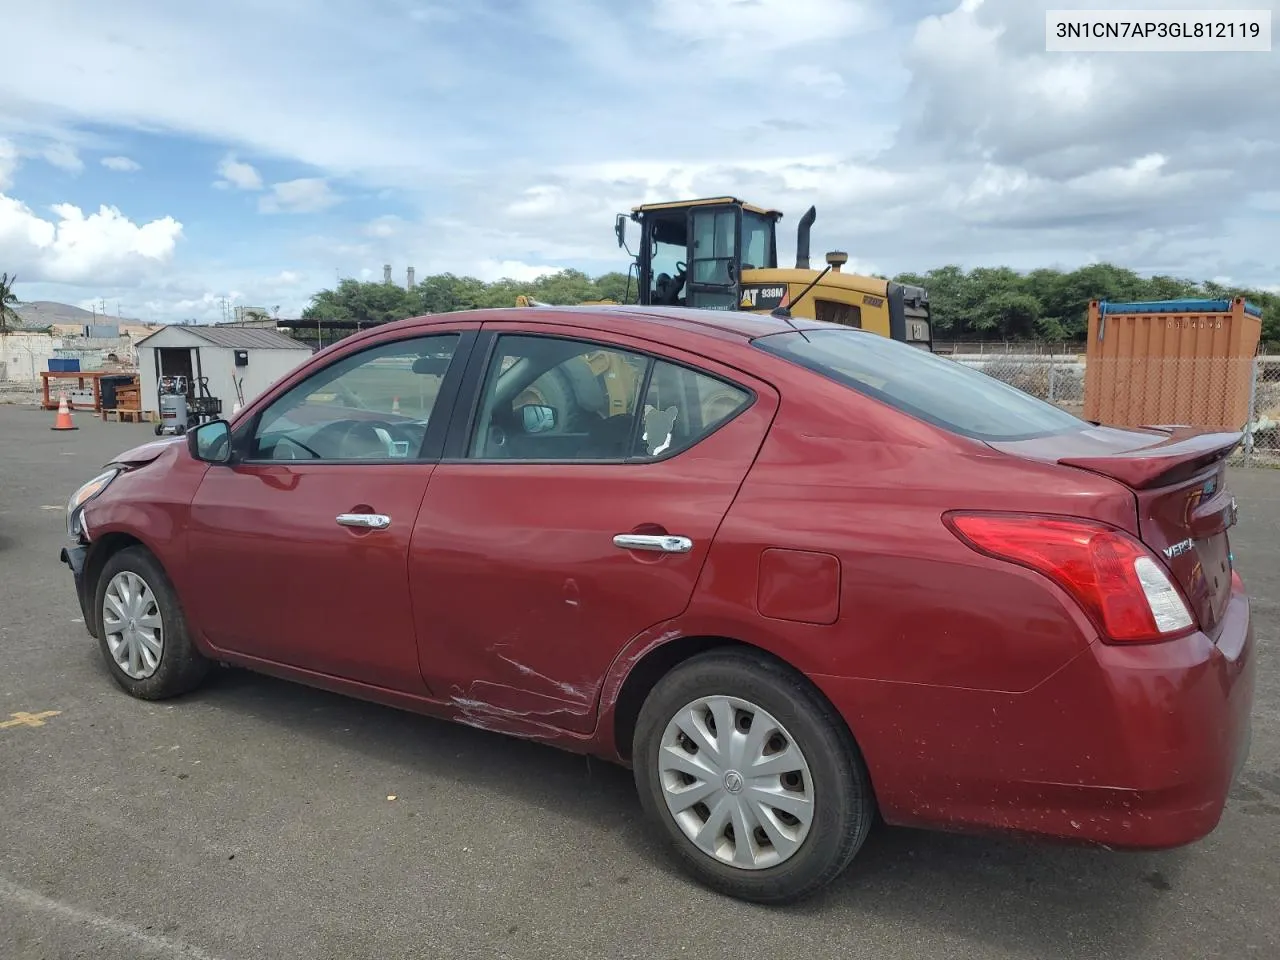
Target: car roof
{"type": "Point", "coordinates": [624, 318]}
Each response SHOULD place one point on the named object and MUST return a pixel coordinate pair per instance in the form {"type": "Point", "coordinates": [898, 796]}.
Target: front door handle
{"type": "Point", "coordinates": [658, 544]}
{"type": "Point", "coordinates": [372, 521]}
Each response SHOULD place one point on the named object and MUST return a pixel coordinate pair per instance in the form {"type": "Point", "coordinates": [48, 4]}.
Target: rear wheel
{"type": "Point", "coordinates": [143, 633]}
{"type": "Point", "coordinates": [751, 776]}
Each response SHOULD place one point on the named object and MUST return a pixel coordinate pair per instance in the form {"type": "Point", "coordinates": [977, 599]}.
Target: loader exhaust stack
{"type": "Point", "coordinates": [802, 238]}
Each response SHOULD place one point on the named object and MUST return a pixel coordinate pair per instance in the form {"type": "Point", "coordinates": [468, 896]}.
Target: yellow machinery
{"type": "Point", "coordinates": [720, 253]}
{"type": "Point", "coordinates": [733, 251]}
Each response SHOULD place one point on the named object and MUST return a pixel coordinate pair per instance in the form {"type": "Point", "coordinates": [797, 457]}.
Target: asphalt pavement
{"type": "Point", "coordinates": [257, 818]}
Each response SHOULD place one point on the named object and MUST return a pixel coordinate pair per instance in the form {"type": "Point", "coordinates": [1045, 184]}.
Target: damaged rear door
{"type": "Point", "coordinates": [584, 479]}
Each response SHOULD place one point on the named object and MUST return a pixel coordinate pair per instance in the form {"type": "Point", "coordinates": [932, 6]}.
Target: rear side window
{"type": "Point", "coordinates": [682, 406]}
{"type": "Point", "coordinates": [942, 392]}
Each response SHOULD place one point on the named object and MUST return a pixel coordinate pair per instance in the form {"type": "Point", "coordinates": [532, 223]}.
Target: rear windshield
{"type": "Point", "coordinates": [942, 392]}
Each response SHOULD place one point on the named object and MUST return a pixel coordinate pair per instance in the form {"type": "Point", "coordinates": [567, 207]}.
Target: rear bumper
{"type": "Point", "coordinates": [74, 557]}
{"type": "Point", "coordinates": [1130, 747]}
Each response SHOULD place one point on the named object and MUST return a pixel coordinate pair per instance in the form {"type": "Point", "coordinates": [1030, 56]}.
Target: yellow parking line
{"type": "Point", "coordinates": [24, 719]}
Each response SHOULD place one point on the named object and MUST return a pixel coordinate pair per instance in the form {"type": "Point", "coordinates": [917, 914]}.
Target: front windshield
{"type": "Point", "coordinates": [942, 392]}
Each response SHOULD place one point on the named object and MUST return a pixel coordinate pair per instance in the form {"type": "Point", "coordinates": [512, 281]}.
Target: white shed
{"type": "Point", "coordinates": [252, 359]}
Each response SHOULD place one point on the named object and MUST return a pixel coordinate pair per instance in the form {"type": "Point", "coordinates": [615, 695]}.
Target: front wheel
{"type": "Point", "coordinates": [751, 776]}
{"type": "Point", "coordinates": [143, 633]}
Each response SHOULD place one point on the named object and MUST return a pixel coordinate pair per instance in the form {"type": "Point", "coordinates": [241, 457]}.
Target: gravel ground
{"type": "Point", "coordinates": [253, 819]}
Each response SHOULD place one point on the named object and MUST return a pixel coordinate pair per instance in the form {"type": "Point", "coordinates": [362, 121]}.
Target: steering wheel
{"type": "Point", "coordinates": [375, 434]}
{"type": "Point", "coordinates": [667, 287]}
{"type": "Point", "coordinates": [355, 440]}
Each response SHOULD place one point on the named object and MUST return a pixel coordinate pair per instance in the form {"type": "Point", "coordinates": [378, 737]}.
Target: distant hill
{"type": "Point", "coordinates": [41, 313]}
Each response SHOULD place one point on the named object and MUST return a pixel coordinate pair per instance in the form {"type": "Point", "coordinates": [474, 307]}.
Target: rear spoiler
{"type": "Point", "coordinates": [1169, 461]}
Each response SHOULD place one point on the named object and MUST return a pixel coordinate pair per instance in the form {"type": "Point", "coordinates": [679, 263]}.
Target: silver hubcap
{"type": "Point", "coordinates": [736, 782]}
{"type": "Point", "coordinates": [131, 621]}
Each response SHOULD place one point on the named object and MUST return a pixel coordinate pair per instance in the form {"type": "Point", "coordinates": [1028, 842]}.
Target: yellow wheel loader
{"type": "Point", "coordinates": [720, 253]}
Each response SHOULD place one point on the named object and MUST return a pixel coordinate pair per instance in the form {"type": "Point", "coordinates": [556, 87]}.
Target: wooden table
{"type": "Point", "coordinates": [80, 376]}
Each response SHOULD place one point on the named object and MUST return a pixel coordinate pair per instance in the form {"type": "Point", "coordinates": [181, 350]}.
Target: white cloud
{"type": "Point", "coordinates": [824, 83]}
{"type": "Point", "coordinates": [432, 13]}
{"type": "Point", "coordinates": [75, 248]}
{"type": "Point", "coordinates": [921, 140]}
{"type": "Point", "coordinates": [304, 195]}
{"type": "Point", "coordinates": [383, 227]}
{"type": "Point", "coordinates": [286, 278]}
{"type": "Point", "coordinates": [8, 163]}
{"type": "Point", "coordinates": [205, 306]}
{"type": "Point", "coordinates": [490, 270]}
{"type": "Point", "coordinates": [762, 26]}
{"type": "Point", "coordinates": [537, 201]}
{"type": "Point", "coordinates": [120, 164]}
{"type": "Point", "coordinates": [238, 175]}
{"type": "Point", "coordinates": [64, 157]}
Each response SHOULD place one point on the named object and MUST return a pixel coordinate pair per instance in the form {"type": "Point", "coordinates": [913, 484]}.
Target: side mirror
{"type": "Point", "coordinates": [210, 442]}
{"type": "Point", "coordinates": [620, 229]}
{"type": "Point", "coordinates": [537, 418]}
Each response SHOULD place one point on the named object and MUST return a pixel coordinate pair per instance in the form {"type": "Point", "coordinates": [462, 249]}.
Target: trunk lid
{"type": "Point", "coordinates": [1184, 506]}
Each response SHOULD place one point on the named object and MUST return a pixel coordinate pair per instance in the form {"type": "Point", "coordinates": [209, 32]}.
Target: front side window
{"type": "Point", "coordinates": [556, 399]}
{"type": "Point", "coordinates": [372, 405]}
{"type": "Point", "coordinates": [938, 391]}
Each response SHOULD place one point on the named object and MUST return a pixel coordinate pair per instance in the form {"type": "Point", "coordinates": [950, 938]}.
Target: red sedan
{"type": "Point", "coordinates": [790, 573]}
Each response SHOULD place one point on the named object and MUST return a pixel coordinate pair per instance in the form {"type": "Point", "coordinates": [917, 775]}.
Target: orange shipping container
{"type": "Point", "coordinates": [1171, 362]}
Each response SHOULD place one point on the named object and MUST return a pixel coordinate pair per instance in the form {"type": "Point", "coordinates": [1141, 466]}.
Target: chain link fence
{"type": "Point", "coordinates": [1230, 394]}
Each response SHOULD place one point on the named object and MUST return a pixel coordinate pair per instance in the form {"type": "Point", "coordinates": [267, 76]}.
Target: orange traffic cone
{"type": "Point", "coordinates": [395, 404]}
{"type": "Point", "coordinates": [63, 420]}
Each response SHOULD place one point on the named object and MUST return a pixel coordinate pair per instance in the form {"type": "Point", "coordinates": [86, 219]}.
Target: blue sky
{"type": "Point", "coordinates": [164, 156]}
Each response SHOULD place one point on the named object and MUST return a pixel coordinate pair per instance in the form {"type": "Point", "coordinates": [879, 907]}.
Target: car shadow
{"type": "Point", "coordinates": [1040, 898]}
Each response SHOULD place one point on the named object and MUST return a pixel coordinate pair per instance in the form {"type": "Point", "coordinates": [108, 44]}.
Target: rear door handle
{"type": "Point", "coordinates": [658, 544]}
{"type": "Point", "coordinates": [372, 521]}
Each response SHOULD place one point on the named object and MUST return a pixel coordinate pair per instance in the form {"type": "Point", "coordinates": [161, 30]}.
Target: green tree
{"type": "Point", "coordinates": [9, 318]}
{"type": "Point", "coordinates": [614, 286]}
{"type": "Point", "coordinates": [366, 303]}
{"type": "Point", "coordinates": [982, 303]}
{"type": "Point", "coordinates": [446, 292]}
{"type": "Point", "coordinates": [1015, 314]}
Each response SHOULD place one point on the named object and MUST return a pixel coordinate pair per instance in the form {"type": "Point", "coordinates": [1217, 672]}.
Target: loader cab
{"type": "Point", "coordinates": [692, 253]}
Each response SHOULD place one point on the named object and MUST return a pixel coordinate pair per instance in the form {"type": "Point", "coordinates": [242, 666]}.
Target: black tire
{"type": "Point", "coordinates": [181, 666]}
{"type": "Point", "coordinates": [843, 802]}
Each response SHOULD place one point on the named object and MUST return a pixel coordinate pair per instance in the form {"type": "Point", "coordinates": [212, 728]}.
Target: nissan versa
{"type": "Point", "coordinates": [791, 573]}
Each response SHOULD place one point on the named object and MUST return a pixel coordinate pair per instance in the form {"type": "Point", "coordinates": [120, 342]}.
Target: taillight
{"type": "Point", "coordinates": [1120, 584]}
{"type": "Point", "coordinates": [1237, 585]}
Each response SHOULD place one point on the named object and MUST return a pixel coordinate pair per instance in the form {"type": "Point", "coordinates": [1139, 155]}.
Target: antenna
{"type": "Point", "coordinates": [784, 313]}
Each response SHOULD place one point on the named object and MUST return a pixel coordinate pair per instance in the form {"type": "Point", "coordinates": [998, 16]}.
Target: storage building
{"type": "Point", "coordinates": [240, 363]}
